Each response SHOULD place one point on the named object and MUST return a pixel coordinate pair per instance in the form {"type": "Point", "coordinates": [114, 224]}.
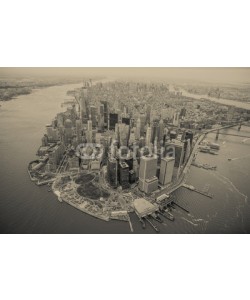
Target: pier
{"type": "Point", "coordinates": [204, 192]}
{"type": "Point", "coordinates": [181, 207]}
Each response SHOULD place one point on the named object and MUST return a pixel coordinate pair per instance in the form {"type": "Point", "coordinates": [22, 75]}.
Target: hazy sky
{"type": "Point", "coordinates": [223, 75]}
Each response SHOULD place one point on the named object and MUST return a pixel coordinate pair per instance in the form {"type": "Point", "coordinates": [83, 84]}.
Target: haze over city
{"type": "Point", "coordinates": [213, 75]}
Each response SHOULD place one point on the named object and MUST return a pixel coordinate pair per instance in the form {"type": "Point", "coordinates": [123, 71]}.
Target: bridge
{"type": "Point", "coordinates": [239, 124]}
{"type": "Point", "coordinates": [182, 179]}
{"type": "Point", "coordinates": [231, 134]}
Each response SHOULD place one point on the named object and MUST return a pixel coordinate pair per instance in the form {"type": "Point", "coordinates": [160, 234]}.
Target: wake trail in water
{"type": "Point", "coordinates": [236, 158]}
{"type": "Point", "coordinates": [230, 183]}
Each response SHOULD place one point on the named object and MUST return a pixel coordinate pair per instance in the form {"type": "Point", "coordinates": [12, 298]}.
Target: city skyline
{"type": "Point", "coordinates": [209, 74]}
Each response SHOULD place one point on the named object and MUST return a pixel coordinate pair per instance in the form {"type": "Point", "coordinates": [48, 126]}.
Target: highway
{"type": "Point", "coordinates": [171, 188]}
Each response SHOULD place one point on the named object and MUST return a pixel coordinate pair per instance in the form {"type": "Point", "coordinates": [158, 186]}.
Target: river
{"type": "Point", "coordinates": [221, 101]}
{"type": "Point", "coordinates": [27, 208]}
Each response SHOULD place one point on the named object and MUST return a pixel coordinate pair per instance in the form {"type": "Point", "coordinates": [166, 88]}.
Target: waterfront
{"type": "Point", "coordinates": [26, 208]}
{"type": "Point", "coordinates": [239, 104]}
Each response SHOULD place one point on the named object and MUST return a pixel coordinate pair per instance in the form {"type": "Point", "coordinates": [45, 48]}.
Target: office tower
{"type": "Point", "coordinates": [124, 175]}
{"type": "Point", "coordinates": [155, 131]}
{"type": "Point", "coordinates": [78, 131]}
{"type": "Point", "coordinates": [187, 150]}
{"type": "Point", "coordinates": [89, 128]}
{"type": "Point", "coordinates": [124, 134]}
{"type": "Point", "coordinates": [173, 134]}
{"type": "Point", "coordinates": [68, 131]}
{"type": "Point", "coordinates": [93, 115]}
{"type": "Point", "coordinates": [147, 170]}
{"type": "Point", "coordinates": [166, 170]}
{"type": "Point", "coordinates": [126, 121]}
{"type": "Point", "coordinates": [151, 185]}
{"type": "Point", "coordinates": [89, 132]}
{"type": "Point", "coordinates": [112, 172]}
{"type": "Point", "coordinates": [129, 161]}
{"type": "Point", "coordinates": [143, 123]}
{"type": "Point", "coordinates": [176, 120]}
{"type": "Point", "coordinates": [60, 120]}
{"type": "Point", "coordinates": [138, 129]}
{"type": "Point", "coordinates": [132, 176]}
{"type": "Point", "coordinates": [45, 140]}
{"type": "Point", "coordinates": [113, 120]}
{"type": "Point", "coordinates": [161, 131]}
{"type": "Point", "coordinates": [142, 142]}
{"type": "Point", "coordinates": [189, 135]}
{"type": "Point", "coordinates": [105, 112]}
{"type": "Point", "coordinates": [178, 152]}
{"type": "Point", "coordinates": [52, 133]}
{"type": "Point", "coordinates": [148, 113]}
{"type": "Point", "coordinates": [148, 137]}
{"type": "Point", "coordinates": [131, 138]}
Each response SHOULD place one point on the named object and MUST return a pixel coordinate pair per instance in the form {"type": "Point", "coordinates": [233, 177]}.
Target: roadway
{"type": "Point", "coordinates": [170, 189]}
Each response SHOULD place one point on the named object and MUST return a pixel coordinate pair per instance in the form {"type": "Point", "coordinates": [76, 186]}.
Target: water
{"type": "Point", "coordinates": [239, 104]}
{"type": "Point", "coordinates": [27, 208]}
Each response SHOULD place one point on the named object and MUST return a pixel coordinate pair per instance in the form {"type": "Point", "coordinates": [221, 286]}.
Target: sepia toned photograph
{"type": "Point", "coordinates": [125, 150]}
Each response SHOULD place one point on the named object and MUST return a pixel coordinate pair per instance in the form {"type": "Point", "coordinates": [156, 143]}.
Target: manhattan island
{"type": "Point", "coordinates": [123, 146]}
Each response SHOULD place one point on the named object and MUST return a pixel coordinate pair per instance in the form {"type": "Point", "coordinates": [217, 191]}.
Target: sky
{"type": "Point", "coordinates": [222, 75]}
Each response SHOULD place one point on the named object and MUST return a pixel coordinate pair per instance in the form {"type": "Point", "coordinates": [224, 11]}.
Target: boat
{"type": "Point", "coordinates": [156, 217]}
{"type": "Point", "coordinates": [169, 215]}
{"type": "Point", "coordinates": [166, 214]}
{"type": "Point", "coordinates": [229, 159]}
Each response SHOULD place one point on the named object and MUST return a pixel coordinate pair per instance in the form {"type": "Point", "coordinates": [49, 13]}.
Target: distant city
{"type": "Point", "coordinates": [122, 147]}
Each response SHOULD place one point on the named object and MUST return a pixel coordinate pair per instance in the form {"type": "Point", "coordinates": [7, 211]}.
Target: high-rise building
{"type": "Point", "coordinates": [105, 112]}
{"type": "Point", "coordinates": [148, 113]}
{"type": "Point", "coordinates": [123, 134]}
{"type": "Point", "coordinates": [166, 170]}
{"type": "Point", "coordinates": [93, 115]}
{"type": "Point", "coordinates": [124, 175]}
{"type": "Point", "coordinates": [113, 120]}
{"type": "Point", "coordinates": [148, 136]}
{"type": "Point", "coordinates": [112, 172]}
{"type": "Point", "coordinates": [79, 131]}
{"type": "Point", "coordinates": [178, 153]}
{"type": "Point", "coordinates": [161, 131]}
{"type": "Point", "coordinates": [126, 121]}
{"type": "Point", "coordinates": [132, 176]}
{"type": "Point", "coordinates": [155, 131]}
{"type": "Point", "coordinates": [176, 120]}
{"type": "Point", "coordinates": [151, 185]}
{"type": "Point", "coordinates": [187, 150]}
{"type": "Point", "coordinates": [138, 129]}
{"type": "Point", "coordinates": [52, 133]}
{"type": "Point", "coordinates": [143, 123]}
{"type": "Point", "coordinates": [147, 170]}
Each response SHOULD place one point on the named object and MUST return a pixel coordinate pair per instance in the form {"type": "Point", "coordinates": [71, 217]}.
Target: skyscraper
{"type": "Point", "coordinates": [124, 134]}
{"type": "Point", "coordinates": [113, 120]}
{"type": "Point", "coordinates": [112, 172]}
{"type": "Point", "coordinates": [105, 112]}
{"type": "Point", "coordinates": [138, 129]}
{"type": "Point", "coordinates": [93, 115]}
{"type": "Point", "coordinates": [148, 113]}
{"type": "Point", "coordinates": [148, 136]}
{"type": "Point", "coordinates": [147, 170]}
{"type": "Point", "coordinates": [124, 175]}
{"type": "Point", "coordinates": [161, 131]}
{"type": "Point", "coordinates": [166, 170]}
